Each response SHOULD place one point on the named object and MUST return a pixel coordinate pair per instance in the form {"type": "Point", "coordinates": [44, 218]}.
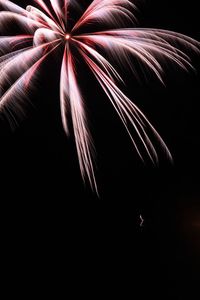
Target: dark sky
{"type": "Point", "coordinates": [46, 201]}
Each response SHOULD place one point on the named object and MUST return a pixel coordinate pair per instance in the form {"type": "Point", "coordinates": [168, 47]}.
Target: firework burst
{"type": "Point", "coordinates": [46, 27]}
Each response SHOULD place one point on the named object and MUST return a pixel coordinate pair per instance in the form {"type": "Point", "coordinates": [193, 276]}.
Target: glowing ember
{"type": "Point", "coordinates": [67, 36]}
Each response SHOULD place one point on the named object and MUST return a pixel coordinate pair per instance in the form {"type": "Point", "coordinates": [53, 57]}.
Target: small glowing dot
{"type": "Point", "coordinates": [67, 36]}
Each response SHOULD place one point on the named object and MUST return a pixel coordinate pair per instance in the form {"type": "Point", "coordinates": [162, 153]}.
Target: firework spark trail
{"type": "Point", "coordinates": [141, 221]}
{"type": "Point", "coordinates": [124, 108]}
{"type": "Point", "coordinates": [82, 136]}
{"type": "Point", "coordinates": [19, 88]}
{"type": "Point", "coordinates": [107, 11]}
{"type": "Point", "coordinates": [64, 92]}
{"type": "Point", "coordinates": [46, 28]}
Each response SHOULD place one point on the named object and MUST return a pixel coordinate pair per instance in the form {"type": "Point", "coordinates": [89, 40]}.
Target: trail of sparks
{"type": "Point", "coordinates": [46, 27]}
{"type": "Point", "coordinates": [141, 221]}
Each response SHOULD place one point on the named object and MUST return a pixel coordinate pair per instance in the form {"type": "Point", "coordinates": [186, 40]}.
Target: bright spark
{"type": "Point", "coordinates": [67, 36]}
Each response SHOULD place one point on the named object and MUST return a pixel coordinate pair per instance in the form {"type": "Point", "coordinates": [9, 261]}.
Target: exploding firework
{"type": "Point", "coordinates": [46, 27]}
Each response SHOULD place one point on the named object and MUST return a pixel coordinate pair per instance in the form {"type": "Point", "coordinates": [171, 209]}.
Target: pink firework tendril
{"type": "Point", "coordinates": [46, 27]}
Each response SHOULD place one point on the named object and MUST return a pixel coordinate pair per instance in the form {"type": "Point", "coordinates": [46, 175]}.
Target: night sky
{"type": "Point", "coordinates": [52, 220]}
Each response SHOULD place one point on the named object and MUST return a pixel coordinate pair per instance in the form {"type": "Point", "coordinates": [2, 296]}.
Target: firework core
{"type": "Point", "coordinates": [67, 36]}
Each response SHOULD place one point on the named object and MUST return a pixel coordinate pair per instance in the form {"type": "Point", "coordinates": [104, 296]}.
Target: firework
{"type": "Point", "coordinates": [46, 27]}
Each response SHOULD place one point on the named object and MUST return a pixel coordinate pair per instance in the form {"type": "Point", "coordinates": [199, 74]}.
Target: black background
{"type": "Point", "coordinates": [52, 220]}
